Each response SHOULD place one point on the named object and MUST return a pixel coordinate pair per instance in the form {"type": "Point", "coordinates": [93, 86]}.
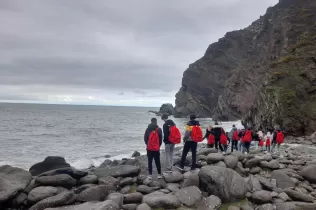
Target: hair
{"type": "Point", "coordinates": [216, 123]}
{"type": "Point", "coordinates": [234, 126]}
{"type": "Point", "coordinates": [154, 120]}
{"type": "Point", "coordinates": [164, 116]}
{"type": "Point", "coordinates": [192, 117]}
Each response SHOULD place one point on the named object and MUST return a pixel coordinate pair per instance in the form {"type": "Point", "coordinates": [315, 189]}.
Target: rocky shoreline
{"type": "Point", "coordinates": [232, 181]}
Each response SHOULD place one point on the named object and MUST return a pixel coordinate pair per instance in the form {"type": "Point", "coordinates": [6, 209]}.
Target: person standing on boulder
{"type": "Point", "coordinates": [169, 146]}
{"type": "Point", "coordinates": [233, 134]}
{"type": "Point", "coordinates": [247, 138]}
{"type": "Point", "coordinates": [193, 135]}
{"type": "Point", "coordinates": [209, 135]}
{"type": "Point", "coordinates": [278, 138]}
{"type": "Point", "coordinates": [217, 130]}
{"type": "Point", "coordinates": [153, 141]}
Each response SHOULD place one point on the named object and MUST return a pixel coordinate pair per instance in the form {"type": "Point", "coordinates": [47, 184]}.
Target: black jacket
{"type": "Point", "coordinates": [152, 127]}
{"type": "Point", "coordinates": [166, 131]}
{"type": "Point", "coordinates": [217, 131]}
{"type": "Point", "coordinates": [208, 133]}
{"type": "Point", "coordinates": [274, 134]}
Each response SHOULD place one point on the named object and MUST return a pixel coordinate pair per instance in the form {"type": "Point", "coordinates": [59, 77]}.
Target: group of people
{"type": "Point", "coordinates": [238, 139]}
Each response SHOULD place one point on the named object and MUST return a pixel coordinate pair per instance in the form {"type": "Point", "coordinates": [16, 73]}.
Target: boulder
{"type": "Point", "coordinates": [252, 162]}
{"type": "Point", "coordinates": [173, 187]}
{"type": "Point", "coordinates": [132, 206]}
{"type": "Point", "coordinates": [41, 193]}
{"type": "Point", "coordinates": [240, 156]}
{"type": "Point", "coordinates": [298, 196]}
{"type": "Point", "coordinates": [309, 172]}
{"type": "Point", "coordinates": [50, 163]}
{"type": "Point", "coordinates": [110, 182]}
{"type": "Point", "coordinates": [273, 164]}
{"type": "Point", "coordinates": [206, 151]}
{"type": "Point", "coordinates": [266, 184]}
{"type": "Point", "coordinates": [161, 200]}
{"type": "Point", "coordinates": [106, 163]}
{"type": "Point", "coordinates": [126, 189]}
{"type": "Point", "coordinates": [166, 108]}
{"type": "Point", "coordinates": [105, 205]}
{"type": "Point", "coordinates": [267, 206]}
{"type": "Point", "coordinates": [74, 173]}
{"type": "Point", "coordinates": [61, 180]}
{"type": "Point", "coordinates": [62, 199]}
{"type": "Point", "coordinates": [255, 183]}
{"type": "Point", "coordinates": [117, 198]}
{"type": "Point", "coordinates": [19, 200]}
{"type": "Point", "coordinates": [30, 186]}
{"type": "Point", "coordinates": [12, 181]}
{"type": "Point", "coordinates": [96, 193]}
{"type": "Point", "coordinates": [189, 196]}
{"type": "Point", "coordinates": [136, 154]}
{"type": "Point", "coordinates": [283, 196]}
{"type": "Point", "coordinates": [173, 177]}
{"type": "Point", "coordinates": [223, 182]}
{"type": "Point", "coordinates": [191, 180]}
{"type": "Point", "coordinates": [282, 179]}
{"type": "Point", "coordinates": [220, 164]}
{"type": "Point", "coordinates": [255, 170]}
{"type": "Point", "coordinates": [127, 181]}
{"type": "Point", "coordinates": [210, 203]}
{"type": "Point", "coordinates": [214, 158]}
{"type": "Point", "coordinates": [133, 198]}
{"type": "Point", "coordinates": [81, 188]}
{"type": "Point", "coordinates": [144, 189]}
{"type": "Point", "coordinates": [118, 171]}
{"type": "Point", "coordinates": [231, 161]}
{"type": "Point", "coordinates": [143, 206]}
{"type": "Point", "coordinates": [89, 179]}
{"type": "Point", "coordinates": [246, 207]}
{"type": "Point", "coordinates": [261, 197]}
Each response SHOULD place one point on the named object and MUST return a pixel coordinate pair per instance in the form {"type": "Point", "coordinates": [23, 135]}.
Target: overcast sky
{"type": "Point", "coordinates": [110, 52]}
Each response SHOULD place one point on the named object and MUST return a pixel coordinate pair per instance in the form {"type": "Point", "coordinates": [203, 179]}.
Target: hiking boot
{"type": "Point", "coordinates": [150, 177]}
{"type": "Point", "coordinates": [159, 176]}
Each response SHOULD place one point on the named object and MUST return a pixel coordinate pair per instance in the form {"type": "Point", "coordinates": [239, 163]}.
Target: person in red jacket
{"type": "Point", "coordinates": [247, 138]}
{"type": "Point", "coordinates": [153, 141]}
{"type": "Point", "coordinates": [209, 135]}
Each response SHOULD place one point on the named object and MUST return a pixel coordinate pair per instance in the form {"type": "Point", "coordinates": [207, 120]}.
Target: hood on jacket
{"type": "Point", "coordinates": [193, 122]}
{"type": "Point", "coordinates": [152, 127]}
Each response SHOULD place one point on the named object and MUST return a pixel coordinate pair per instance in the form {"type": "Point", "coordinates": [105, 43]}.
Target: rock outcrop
{"type": "Point", "coordinates": [264, 74]}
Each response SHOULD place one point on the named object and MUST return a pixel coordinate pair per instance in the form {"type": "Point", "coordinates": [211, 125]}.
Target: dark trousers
{"type": "Point", "coordinates": [216, 143]}
{"type": "Point", "coordinates": [234, 145]}
{"type": "Point", "coordinates": [153, 155]}
{"type": "Point", "coordinates": [189, 145]}
{"type": "Point", "coordinates": [210, 146]}
{"type": "Point", "coordinates": [268, 148]}
{"type": "Point", "coordinates": [223, 147]}
{"type": "Point", "coordinates": [247, 146]}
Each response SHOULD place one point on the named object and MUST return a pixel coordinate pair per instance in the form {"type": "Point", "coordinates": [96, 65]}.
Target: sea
{"type": "Point", "coordinates": [84, 135]}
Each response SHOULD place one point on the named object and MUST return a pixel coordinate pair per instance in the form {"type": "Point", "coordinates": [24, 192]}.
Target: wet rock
{"type": "Point", "coordinates": [214, 158]}
{"type": "Point", "coordinates": [223, 182]}
{"type": "Point", "coordinates": [41, 193]}
{"type": "Point", "coordinates": [173, 177]}
{"type": "Point", "coordinates": [127, 181]}
{"type": "Point", "coordinates": [282, 179]}
{"type": "Point", "coordinates": [144, 189]}
{"type": "Point", "coordinates": [117, 198]}
{"type": "Point", "coordinates": [189, 196]}
{"type": "Point", "coordinates": [133, 198]}
{"type": "Point", "coordinates": [143, 206]}
{"type": "Point", "coordinates": [12, 180]}
{"type": "Point", "coordinates": [161, 200]}
{"type": "Point", "coordinates": [261, 197]}
{"type": "Point", "coordinates": [308, 172]}
{"type": "Point", "coordinates": [105, 205]}
{"type": "Point", "coordinates": [210, 203]}
{"type": "Point", "coordinates": [298, 196]}
{"type": "Point", "coordinates": [62, 199]}
{"type": "Point", "coordinates": [50, 163]}
{"type": "Point", "coordinates": [136, 154]}
{"type": "Point", "coordinates": [118, 171]}
{"type": "Point", "coordinates": [63, 180]}
{"type": "Point", "coordinates": [89, 179]}
{"type": "Point", "coordinates": [96, 193]}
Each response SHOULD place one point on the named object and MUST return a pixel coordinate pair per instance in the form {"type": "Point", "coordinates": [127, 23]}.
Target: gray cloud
{"type": "Point", "coordinates": [139, 48]}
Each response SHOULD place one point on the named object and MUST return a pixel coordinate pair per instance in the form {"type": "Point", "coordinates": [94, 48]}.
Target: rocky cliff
{"type": "Point", "coordinates": [265, 73]}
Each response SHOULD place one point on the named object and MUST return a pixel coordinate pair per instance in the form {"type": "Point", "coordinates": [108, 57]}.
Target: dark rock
{"type": "Point", "coordinates": [117, 198]}
{"type": "Point", "coordinates": [63, 180]}
{"type": "Point", "coordinates": [118, 171]}
{"type": "Point", "coordinates": [223, 182]}
{"type": "Point", "coordinates": [246, 207]}
{"type": "Point", "coordinates": [273, 164]}
{"type": "Point", "coordinates": [155, 184]}
{"type": "Point", "coordinates": [19, 200]}
{"type": "Point", "coordinates": [126, 189]}
{"type": "Point", "coordinates": [62, 199]}
{"type": "Point", "coordinates": [173, 187]}
{"type": "Point", "coordinates": [261, 197]}
{"type": "Point", "coordinates": [50, 163]}
{"type": "Point", "coordinates": [144, 189]}
{"type": "Point", "coordinates": [166, 108]}
{"type": "Point", "coordinates": [206, 151]}
{"type": "Point", "coordinates": [96, 193]}
{"type": "Point", "coordinates": [106, 163]}
{"type": "Point", "coordinates": [74, 173]}
{"type": "Point", "coordinates": [308, 172]}
{"type": "Point", "coordinates": [12, 181]}
{"type": "Point", "coordinates": [161, 200]}
{"type": "Point", "coordinates": [220, 164]}
{"type": "Point", "coordinates": [143, 206]}
{"type": "Point", "coordinates": [173, 177]}
{"type": "Point", "coordinates": [41, 193]}
{"type": "Point", "coordinates": [192, 180]}
{"type": "Point", "coordinates": [127, 181]}
{"type": "Point", "coordinates": [83, 187]}
{"type": "Point", "coordinates": [141, 178]}
{"type": "Point", "coordinates": [255, 170]}
{"type": "Point", "coordinates": [133, 198]}
{"type": "Point", "coordinates": [189, 196]}
{"type": "Point", "coordinates": [211, 203]}
{"type": "Point", "coordinates": [241, 170]}
{"type": "Point", "coordinates": [136, 154]}
{"type": "Point", "coordinates": [284, 196]}
{"type": "Point", "coordinates": [105, 205]}
{"type": "Point", "coordinates": [110, 182]}
{"type": "Point", "coordinates": [255, 183]}
{"type": "Point", "coordinates": [282, 179]}
{"type": "Point", "coordinates": [252, 162]}
{"type": "Point", "coordinates": [266, 184]}
{"type": "Point", "coordinates": [298, 196]}
{"type": "Point", "coordinates": [89, 179]}
{"type": "Point", "coordinates": [231, 161]}
{"type": "Point", "coordinates": [30, 186]}
{"type": "Point", "coordinates": [214, 158]}
{"type": "Point", "coordinates": [131, 206]}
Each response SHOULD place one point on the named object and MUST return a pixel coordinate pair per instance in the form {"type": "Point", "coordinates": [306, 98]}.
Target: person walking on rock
{"type": "Point", "coordinates": [217, 130]}
{"type": "Point", "coordinates": [171, 136]}
{"type": "Point", "coordinates": [209, 135]}
{"type": "Point", "coordinates": [268, 141]}
{"type": "Point", "coordinates": [278, 139]}
{"type": "Point", "coordinates": [247, 138]}
{"type": "Point", "coordinates": [153, 141]}
{"type": "Point", "coordinates": [233, 134]}
{"type": "Point", "coordinates": [193, 135]}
